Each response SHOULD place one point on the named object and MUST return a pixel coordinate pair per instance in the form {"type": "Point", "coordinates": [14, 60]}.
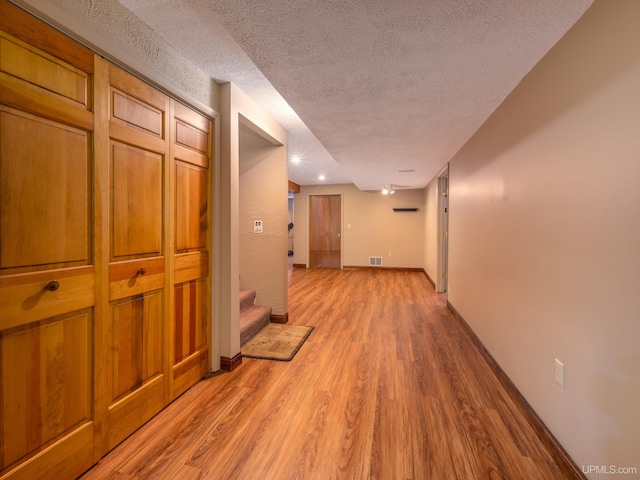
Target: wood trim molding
{"type": "Point", "coordinates": [556, 450]}
{"type": "Point", "coordinates": [280, 318]}
{"type": "Point", "coordinates": [19, 23]}
{"type": "Point", "coordinates": [230, 364]}
{"type": "Point", "coordinates": [433, 284]}
{"type": "Point", "coordinates": [294, 187]}
{"type": "Point", "coordinates": [397, 269]}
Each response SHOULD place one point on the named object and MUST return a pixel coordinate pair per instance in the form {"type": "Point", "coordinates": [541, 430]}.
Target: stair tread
{"type": "Point", "coordinates": [247, 298]}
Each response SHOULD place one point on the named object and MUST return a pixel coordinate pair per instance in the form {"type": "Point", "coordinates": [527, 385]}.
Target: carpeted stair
{"type": "Point", "coordinates": [252, 317]}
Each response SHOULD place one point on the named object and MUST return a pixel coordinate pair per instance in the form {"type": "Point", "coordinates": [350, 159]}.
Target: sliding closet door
{"type": "Point", "coordinates": [192, 153]}
{"type": "Point", "coordinates": [47, 264]}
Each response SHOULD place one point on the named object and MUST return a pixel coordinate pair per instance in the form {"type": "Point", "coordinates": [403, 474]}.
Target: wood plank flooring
{"type": "Point", "coordinates": [388, 386]}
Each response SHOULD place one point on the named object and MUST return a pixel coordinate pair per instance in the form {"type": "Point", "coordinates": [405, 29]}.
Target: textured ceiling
{"type": "Point", "coordinates": [373, 92]}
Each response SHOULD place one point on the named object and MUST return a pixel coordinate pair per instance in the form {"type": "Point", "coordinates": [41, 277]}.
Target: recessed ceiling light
{"type": "Point", "coordinates": [295, 159]}
{"type": "Point", "coordinates": [321, 177]}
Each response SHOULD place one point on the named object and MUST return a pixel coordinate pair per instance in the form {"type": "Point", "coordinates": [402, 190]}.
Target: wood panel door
{"type": "Point", "coordinates": [325, 223]}
{"type": "Point", "coordinates": [47, 261]}
{"type": "Point", "coordinates": [192, 154]}
{"type": "Point", "coordinates": [137, 330]}
{"type": "Point", "coordinates": [104, 257]}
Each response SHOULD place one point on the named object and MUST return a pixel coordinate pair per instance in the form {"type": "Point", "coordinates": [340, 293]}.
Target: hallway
{"type": "Point", "coordinates": [388, 386]}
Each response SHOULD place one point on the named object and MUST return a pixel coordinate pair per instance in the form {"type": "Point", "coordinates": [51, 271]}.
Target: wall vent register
{"type": "Point", "coordinates": [375, 261]}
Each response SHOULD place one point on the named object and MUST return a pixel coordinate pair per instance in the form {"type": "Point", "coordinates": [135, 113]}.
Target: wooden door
{"type": "Point", "coordinates": [137, 330]}
{"type": "Point", "coordinates": [47, 261]}
{"type": "Point", "coordinates": [191, 154]}
{"type": "Point", "coordinates": [104, 259]}
{"type": "Point", "coordinates": [325, 220]}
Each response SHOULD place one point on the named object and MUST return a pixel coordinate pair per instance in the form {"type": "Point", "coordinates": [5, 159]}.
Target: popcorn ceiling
{"type": "Point", "coordinates": [365, 87]}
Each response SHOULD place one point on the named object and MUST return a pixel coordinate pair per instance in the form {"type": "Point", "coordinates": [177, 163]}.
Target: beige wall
{"type": "Point", "coordinates": [375, 229]}
{"type": "Point", "coordinates": [430, 244]}
{"type": "Point", "coordinates": [545, 236]}
{"type": "Point", "coordinates": [263, 196]}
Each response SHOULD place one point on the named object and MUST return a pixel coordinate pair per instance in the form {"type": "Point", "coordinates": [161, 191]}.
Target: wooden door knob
{"type": "Point", "coordinates": [52, 286]}
{"type": "Point", "coordinates": [141, 271]}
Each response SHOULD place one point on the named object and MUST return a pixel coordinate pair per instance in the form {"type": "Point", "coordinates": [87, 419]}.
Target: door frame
{"type": "Point", "coordinates": [308, 226]}
{"type": "Point", "coordinates": [442, 191]}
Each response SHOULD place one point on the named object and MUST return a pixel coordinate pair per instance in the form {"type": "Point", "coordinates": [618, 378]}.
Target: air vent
{"type": "Point", "coordinates": [406, 170]}
{"type": "Point", "coordinates": [375, 261]}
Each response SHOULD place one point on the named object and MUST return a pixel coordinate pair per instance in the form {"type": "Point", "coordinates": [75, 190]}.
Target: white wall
{"type": "Point", "coordinates": [545, 236]}
{"type": "Point", "coordinates": [375, 229]}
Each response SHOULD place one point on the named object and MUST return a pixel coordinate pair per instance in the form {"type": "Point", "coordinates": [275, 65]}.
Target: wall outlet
{"type": "Point", "coordinates": [559, 373]}
{"type": "Point", "coordinates": [257, 226]}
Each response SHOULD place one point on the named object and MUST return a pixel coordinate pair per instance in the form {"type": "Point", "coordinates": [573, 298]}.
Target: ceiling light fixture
{"type": "Point", "coordinates": [295, 159]}
{"type": "Point", "coordinates": [322, 177]}
{"type": "Point", "coordinates": [388, 190]}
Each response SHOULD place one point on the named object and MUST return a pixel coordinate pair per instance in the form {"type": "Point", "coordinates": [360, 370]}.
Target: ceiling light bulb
{"type": "Point", "coordinates": [321, 177]}
{"type": "Point", "coordinates": [385, 190]}
{"type": "Point", "coordinates": [295, 159]}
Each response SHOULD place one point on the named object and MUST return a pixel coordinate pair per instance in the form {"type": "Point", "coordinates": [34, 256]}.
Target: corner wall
{"type": "Point", "coordinates": [545, 239]}
{"type": "Point", "coordinates": [237, 110]}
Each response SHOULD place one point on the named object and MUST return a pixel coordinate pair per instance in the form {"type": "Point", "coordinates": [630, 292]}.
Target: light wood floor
{"type": "Point", "coordinates": [388, 386]}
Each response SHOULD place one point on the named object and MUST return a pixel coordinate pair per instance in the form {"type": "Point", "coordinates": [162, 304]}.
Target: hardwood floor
{"type": "Point", "coordinates": [388, 386]}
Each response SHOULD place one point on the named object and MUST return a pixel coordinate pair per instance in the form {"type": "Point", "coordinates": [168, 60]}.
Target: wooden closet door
{"type": "Point", "coordinates": [47, 264]}
{"type": "Point", "coordinates": [138, 155]}
{"type": "Point", "coordinates": [191, 319]}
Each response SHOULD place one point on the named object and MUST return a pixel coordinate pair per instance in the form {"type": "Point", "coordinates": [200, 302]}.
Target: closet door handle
{"type": "Point", "coordinates": [141, 271]}
{"type": "Point", "coordinates": [52, 286]}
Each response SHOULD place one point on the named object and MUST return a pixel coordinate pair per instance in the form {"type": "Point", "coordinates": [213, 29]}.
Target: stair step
{"type": "Point", "coordinates": [252, 320]}
{"type": "Point", "coordinates": [247, 298]}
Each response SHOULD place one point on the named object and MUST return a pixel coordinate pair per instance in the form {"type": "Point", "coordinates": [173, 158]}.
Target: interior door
{"type": "Point", "coordinates": [137, 332]}
{"type": "Point", "coordinates": [47, 264]}
{"type": "Point", "coordinates": [325, 236]}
